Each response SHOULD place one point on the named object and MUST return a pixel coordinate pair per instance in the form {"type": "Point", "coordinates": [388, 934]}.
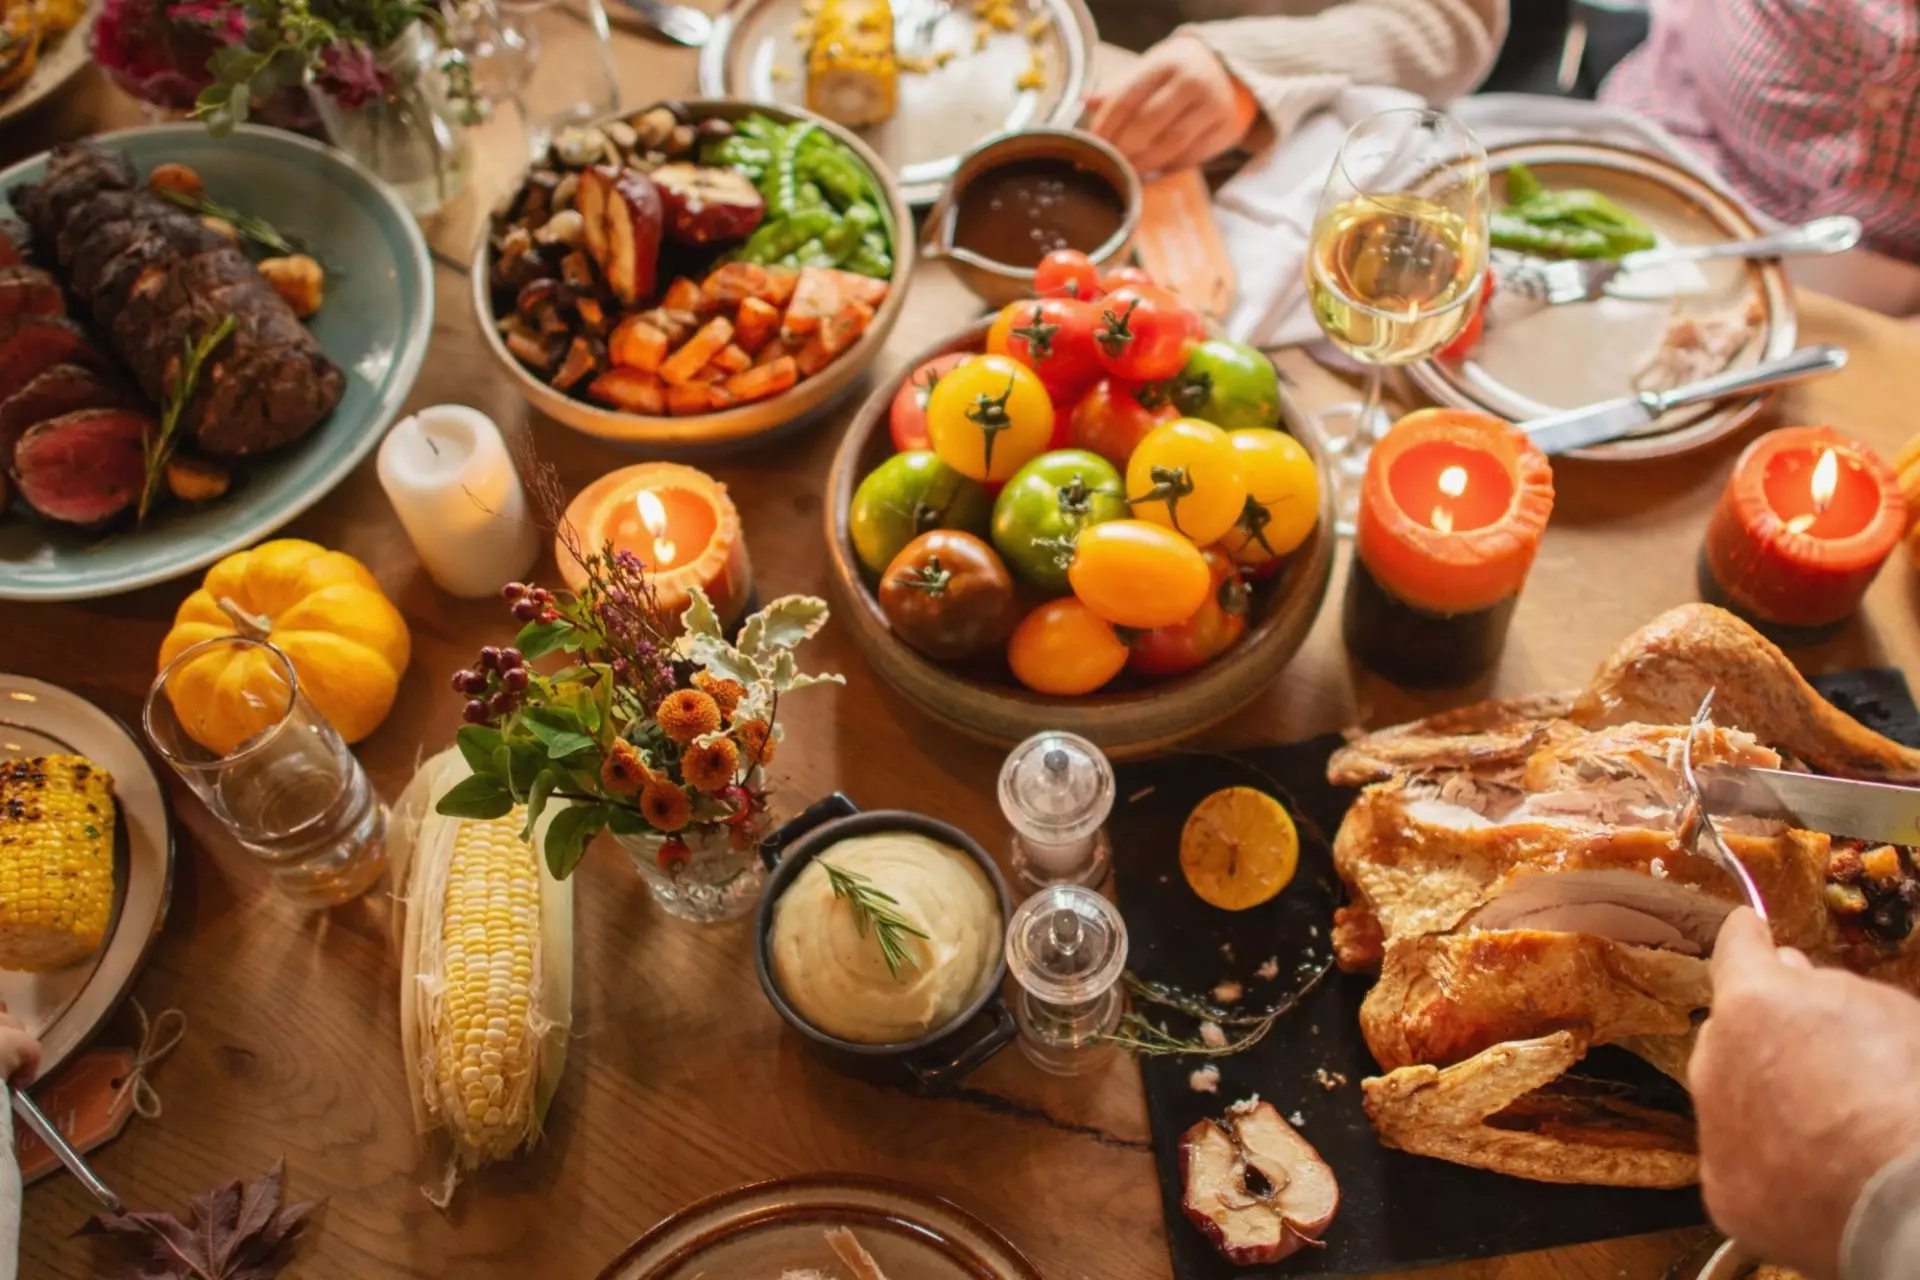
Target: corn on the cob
{"type": "Point", "coordinates": [487, 974]}
{"type": "Point", "coordinates": [852, 74]}
{"type": "Point", "coordinates": [56, 860]}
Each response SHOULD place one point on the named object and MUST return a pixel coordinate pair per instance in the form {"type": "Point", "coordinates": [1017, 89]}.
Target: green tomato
{"type": "Point", "coordinates": [907, 495]}
{"type": "Point", "coordinates": [1040, 514]}
{"type": "Point", "coordinates": [1232, 386]}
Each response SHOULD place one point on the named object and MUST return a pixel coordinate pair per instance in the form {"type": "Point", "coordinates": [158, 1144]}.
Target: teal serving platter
{"type": "Point", "coordinates": [375, 324]}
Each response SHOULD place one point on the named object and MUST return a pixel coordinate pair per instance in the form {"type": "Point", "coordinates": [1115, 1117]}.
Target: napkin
{"type": "Point", "coordinates": [1266, 212]}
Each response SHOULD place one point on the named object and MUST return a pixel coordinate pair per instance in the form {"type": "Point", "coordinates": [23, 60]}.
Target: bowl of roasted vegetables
{"type": "Point", "coordinates": [694, 273]}
{"type": "Point", "coordinates": [1084, 514]}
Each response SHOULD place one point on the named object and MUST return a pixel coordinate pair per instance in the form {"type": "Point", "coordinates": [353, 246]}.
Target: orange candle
{"type": "Point", "coordinates": [1804, 524]}
{"type": "Point", "coordinates": [1451, 513]}
{"type": "Point", "coordinates": [680, 523]}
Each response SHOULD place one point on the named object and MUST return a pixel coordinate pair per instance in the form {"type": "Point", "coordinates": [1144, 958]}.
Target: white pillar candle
{"type": "Point", "coordinates": [447, 472]}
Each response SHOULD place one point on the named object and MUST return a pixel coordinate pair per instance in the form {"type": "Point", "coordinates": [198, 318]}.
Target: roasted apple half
{"type": "Point", "coordinates": [624, 221]}
{"type": "Point", "coordinates": [707, 205]}
{"type": "Point", "coordinates": [1254, 1187]}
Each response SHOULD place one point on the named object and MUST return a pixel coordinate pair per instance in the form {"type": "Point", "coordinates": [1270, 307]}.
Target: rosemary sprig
{"type": "Point", "coordinates": [258, 230]}
{"type": "Point", "coordinates": [158, 445]}
{"type": "Point", "coordinates": [1140, 1035]}
{"type": "Point", "coordinates": [875, 908]}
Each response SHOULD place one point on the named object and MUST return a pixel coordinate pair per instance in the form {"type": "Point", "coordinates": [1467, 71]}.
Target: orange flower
{"type": "Point", "coordinates": [725, 693]}
{"type": "Point", "coordinates": [756, 740]}
{"type": "Point", "coordinates": [710, 767]}
{"type": "Point", "coordinates": [665, 806]}
{"type": "Point", "coordinates": [624, 772]}
{"type": "Point", "coordinates": [685, 714]}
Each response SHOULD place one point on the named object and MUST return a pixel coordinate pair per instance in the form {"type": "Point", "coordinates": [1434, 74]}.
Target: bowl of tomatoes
{"type": "Point", "coordinates": [1083, 513]}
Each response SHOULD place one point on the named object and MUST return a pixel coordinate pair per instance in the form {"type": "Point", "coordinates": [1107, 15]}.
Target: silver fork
{"type": "Point", "coordinates": [1583, 279]}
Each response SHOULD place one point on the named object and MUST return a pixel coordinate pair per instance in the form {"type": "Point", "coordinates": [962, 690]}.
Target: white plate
{"type": "Point", "coordinates": [942, 112]}
{"type": "Point", "coordinates": [58, 64]}
{"type": "Point", "coordinates": [65, 1007]}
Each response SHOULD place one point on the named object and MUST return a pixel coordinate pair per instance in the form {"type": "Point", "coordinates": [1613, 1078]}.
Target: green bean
{"type": "Point", "coordinates": [1555, 241]}
{"type": "Point", "coordinates": [811, 197]}
{"type": "Point", "coordinates": [744, 154]}
{"type": "Point", "coordinates": [846, 238]}
{"type": "Point", "coordinates": [778, 237]}
{"type": "Point", "coordinates": [837, 172]}
{"type": "Point", "coordinates": [759, 127]}
{"type": "Point", "coordinates": [814, 253]}
{"type": "Point", "coordinates": [1522, 186]}
{"type": "Point", "coordinates": [872, 258]}
{"type": "Point", "coordinates": [779, 186]}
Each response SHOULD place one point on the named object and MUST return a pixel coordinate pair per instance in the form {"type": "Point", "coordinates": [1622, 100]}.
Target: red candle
{"type": "Point", "coordinates": [1806, 520]}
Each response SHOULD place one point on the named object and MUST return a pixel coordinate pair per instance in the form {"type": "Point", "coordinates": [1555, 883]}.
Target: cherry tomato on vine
{"type": "Point", "coordinates": [1067, 273]}
{"type": "Point", "coordinates": [1062, 649]}
{"type": "Point", "coordinates": [949, 596]}
{"type": "Point", "coordinates": [1216, 627]}
{"type": "Point", "coordinates": [1128, 275]}
{"type": "Point", "coordinates": [1283, 499]}
{"type": "Point", "coordinates": [1114, 417]}
{"type": "Point", "coordinates": [1186, 475]}
{"type": "Point", "coordinates": [906, 496]}
{"type": "Point", "coordinates": [1054, 338]}
{"type": "Point", "coordinates": [1136, 574]}
{"type": "Point", "coordinates": [989, 417]}
{"type": "Point", "coordinates": [907, 419]}
{"type": "Point", "coordinates": [1144, 333]}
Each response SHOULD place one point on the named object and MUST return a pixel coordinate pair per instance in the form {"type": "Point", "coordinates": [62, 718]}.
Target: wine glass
{"type": "Point", "coordinates": [1395, 262]}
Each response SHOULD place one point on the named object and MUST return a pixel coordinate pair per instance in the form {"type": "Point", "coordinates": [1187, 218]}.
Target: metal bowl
{"type": "Point", "coordinates": [730, 428]}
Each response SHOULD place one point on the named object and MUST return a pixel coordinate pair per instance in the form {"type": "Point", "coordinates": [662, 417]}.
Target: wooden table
{"type": "Point", "coordinates": [681, 1081]}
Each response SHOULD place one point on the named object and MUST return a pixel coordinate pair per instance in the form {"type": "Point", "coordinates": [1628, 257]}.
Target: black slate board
{"type": "Point", "coordinates": [1396, 1210]}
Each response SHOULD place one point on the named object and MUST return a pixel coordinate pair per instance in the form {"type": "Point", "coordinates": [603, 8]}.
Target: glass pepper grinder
{"type": "Point", "coordinates": [1066, 947]}
{"type": "Point", "coordinates": [1057, 790]}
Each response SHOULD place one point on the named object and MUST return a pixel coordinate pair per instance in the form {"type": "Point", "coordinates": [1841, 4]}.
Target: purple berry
{"type": "Point", "coordinates": [510, 658]}
{"type": "Point", "coordinates": [514, 680]}
{"type": "Point", "coordinates": [513, 591]}
{"type": "Point", "coordinates": [489, 659]}
{"type": "Point", "coordinates": [501, 703]}
{"type": "Point", "coordinates": [475, 713]}
{"type": "Point", "coordinates": [469, 682]}
{"type": "Point", "coordinates": [526, 610]}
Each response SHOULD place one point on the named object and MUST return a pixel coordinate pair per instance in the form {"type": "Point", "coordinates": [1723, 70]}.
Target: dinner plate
{"type": "Point", "coordinates": [66, 1006]}
{"type": "Point", "coordinates": [756, 54]}
{"type": "Point", "coordinates": [1578, 354]}
{"type": "Point", "coordinates": [375, 323]}
{"type": "Point", "coordinates": [59, 63]}
{"type": "Point", "coordinates": [767, 1228]}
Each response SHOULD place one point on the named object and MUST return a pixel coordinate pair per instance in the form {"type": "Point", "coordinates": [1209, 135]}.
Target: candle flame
{"type": "Point", "coordinates": [654, 515]}
{"type": "Point", "coordinates": [1826, 479]}
{"type": "Point", "coordinates": [1442, 519]}
{"type": "Point", "coordinates": [1453, 481]}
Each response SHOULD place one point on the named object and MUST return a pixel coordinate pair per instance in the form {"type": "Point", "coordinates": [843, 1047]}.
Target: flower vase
{"type": "Point", "coordinates": [411, 134]}
{"type": "Point", "coordinates": [719, 878]}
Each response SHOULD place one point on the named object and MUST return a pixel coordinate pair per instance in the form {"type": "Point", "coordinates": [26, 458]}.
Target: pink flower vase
{"type": "Point", "coordinates": [157, 53]}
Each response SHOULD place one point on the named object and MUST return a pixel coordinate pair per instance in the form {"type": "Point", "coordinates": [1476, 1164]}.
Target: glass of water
{"type": "Point", "coordinates": [553, 59]}
{"type": "Point", "coordinates": [229, 716]}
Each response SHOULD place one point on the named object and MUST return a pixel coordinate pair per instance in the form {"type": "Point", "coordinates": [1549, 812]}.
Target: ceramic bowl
{"type": "Point", "coordinates": [1128, 718]}
{"type": "Point", "coordinates": [936, 1061]}
{"type": "Point", "coordinates": [735, 427]}
{"type": "Point", "coordinates": [998, 283]}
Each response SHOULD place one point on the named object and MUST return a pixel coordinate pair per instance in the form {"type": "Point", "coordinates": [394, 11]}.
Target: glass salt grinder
{"type": "Point", "coordinates": [1066, 947]}
{"type": "Point", "coordinates": [1057, 790]}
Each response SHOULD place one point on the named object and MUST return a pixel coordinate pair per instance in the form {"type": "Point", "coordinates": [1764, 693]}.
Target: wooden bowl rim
{"type": "Point", "coordinates": [742, 421]}
{"type": "Point", "coordinates": [1270, 641]}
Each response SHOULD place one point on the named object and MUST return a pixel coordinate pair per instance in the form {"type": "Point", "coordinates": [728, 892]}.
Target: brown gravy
{"type": "Point", "coordinates": [1019, 212]}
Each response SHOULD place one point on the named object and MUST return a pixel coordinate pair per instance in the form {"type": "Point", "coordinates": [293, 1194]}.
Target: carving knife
{"type": "Point", "coordinates": [1876, 811]}
{"type": "Point", "coordinates": [1599, 423]}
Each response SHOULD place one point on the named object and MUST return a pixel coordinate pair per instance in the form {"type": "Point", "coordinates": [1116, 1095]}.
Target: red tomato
{"type": "Point", "coordinates": [1217, 627]}
{"type": "Point", "coordinates": [1114, 416]}
{"type": "Point", "coordinates": [1469, 336]}
{"type": "Point", "coordinates": [1054, 338]}
{"type": "Point", "coordinates": [1144, 333]}
{"type": "Point", "coordinates": [1124, 275]}
{"type": "Point", "coordinates": [907, 420]}
{"type": "Point", "coordinates": [1067, 273]}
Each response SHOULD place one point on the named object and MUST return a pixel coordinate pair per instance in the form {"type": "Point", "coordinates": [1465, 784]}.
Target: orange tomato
{"type": "Point", "coordinates": [1062, 649]}
{"type": "Point", "coordinates": [1140, 575]}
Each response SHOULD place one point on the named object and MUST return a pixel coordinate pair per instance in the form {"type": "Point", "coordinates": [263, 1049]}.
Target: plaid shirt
{"type": "Point", "coordinates": [1808, 107]}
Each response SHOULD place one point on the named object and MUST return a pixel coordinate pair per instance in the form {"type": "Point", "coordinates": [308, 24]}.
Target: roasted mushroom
{"type": "Point", "coordinates": [299, 280]}
{"type": "Point", "coordinates": [581, 362]}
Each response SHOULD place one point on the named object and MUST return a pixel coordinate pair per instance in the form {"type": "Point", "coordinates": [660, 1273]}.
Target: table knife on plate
{"type": "Point", "coordinates": [1599, 423]}
{"type": "Point", "coordinates": [1879, 812]}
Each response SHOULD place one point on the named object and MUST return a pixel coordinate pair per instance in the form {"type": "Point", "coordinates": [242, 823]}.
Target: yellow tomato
{"type": "Point", "coordinates": [989, 417]}
{"type": "Point", "coordinates": [1283, 498]}
{"type": "Point", "coordinates": [1062, 649]}
{"type": "Point", "coordinates": [1139, 575]}
{"type": "Point", "coordinates": [1186, 475]}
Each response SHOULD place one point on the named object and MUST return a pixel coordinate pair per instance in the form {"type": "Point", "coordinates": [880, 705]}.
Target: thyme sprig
{"type": "Point", "coordinates": [873, 908]}
{"type": "Point", "coordinates": [1138, 1034]}
{"type": "Point", "coordinates": [249, 226]}
{"type": "Point", "coordinates": [158, 444]}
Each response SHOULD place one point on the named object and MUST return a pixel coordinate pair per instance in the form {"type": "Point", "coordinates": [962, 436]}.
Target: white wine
{"type": "Point", "coordinates": [1392, 277]}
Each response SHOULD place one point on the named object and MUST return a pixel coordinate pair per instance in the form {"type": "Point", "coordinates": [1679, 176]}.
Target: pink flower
{"type": "Point", "coordinates": [350, 76]}
{"type": "Point", "coordinates": [154, 59]}
{"type": "Point", "coordinates": [224, 21]}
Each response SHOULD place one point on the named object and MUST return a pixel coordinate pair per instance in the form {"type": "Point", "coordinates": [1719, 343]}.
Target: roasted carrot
{"type": "Point", "coordinates": [682, 295]}
{"type": "Point", "coordinates": [630, 390]}
{"type": "Point", "coordinates": [685, 364]}
{"type": "Point", "coordinates": [688, 398]}
{"type": "Point", "coordinates": [780, 285]}
{"type": "Point", "coordinates": [764, 380]}
{"type": "Point", "coordinates": [774, 350]}
{"type": "Point", "coordinates": [845, 327]}
{"type": "Point", "coordinates": [815, 297]}
{"type": "Point", "coordinates": [731, 285]}
{"type": "Point", "coordinates": [866, 289]}
{"type": "Point", "coordinates": [754, 324]}
{"type": "Point", "coordinates": [637, 344]}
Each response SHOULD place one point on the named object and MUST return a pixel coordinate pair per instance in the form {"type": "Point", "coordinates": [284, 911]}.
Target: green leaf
{"type": "Point", "coordinates": [478, 744]}
{"type": "Point", "coordinates": [626, 822]}
{"type": "Point", "coordinates": [476, 797]}
{"type": "Point", "coordinates": [786, 623]}
{"type": "Point", "coordinates": [538, 639]}
{"type": "Point", "coordinates": [527, 758]}
{"type": "Point", "coordinates": [562, 745]}
{"type": "Point", "coordinates": [569, 832]}
{"type": "Point", "coordinates": [537, 796]}
{"type": "Point", "coordinates": [700, 619]}
{"type": "Point", "coordinates": [723, 660]}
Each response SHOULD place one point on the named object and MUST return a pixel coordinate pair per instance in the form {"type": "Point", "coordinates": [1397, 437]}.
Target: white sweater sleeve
{"type": "Point", "coordinates": [1883, 1234]}
{"type": "Point", "coordinates": [1296, 63]}
{"type": "Point", "coordinates": [9, 1192]}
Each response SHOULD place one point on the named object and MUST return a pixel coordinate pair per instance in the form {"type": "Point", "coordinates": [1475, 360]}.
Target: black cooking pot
{"type": "Point", "coordinates": [936, 1061]}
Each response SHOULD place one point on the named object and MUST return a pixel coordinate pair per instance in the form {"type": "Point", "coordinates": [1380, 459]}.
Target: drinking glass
{"type": "Point", "coordinates": [552, 58]}
{"type": "Point", "coordinates": [1396, 261]}
{"type": "Point", "coordinates": [277, 774]}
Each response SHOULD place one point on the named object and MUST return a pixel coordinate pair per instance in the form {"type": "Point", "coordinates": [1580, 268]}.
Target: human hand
{"type": "Point", "coordinates": [1177, 106]}
{"type": "Point", "coordinates": [1802, 1084]}
{"type": "Point", "coordinates": [19, 1050]}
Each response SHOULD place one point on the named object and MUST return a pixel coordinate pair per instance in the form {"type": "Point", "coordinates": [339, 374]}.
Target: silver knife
{"type": "Point", "coordinates": [1599, 423]}
{"type": "Point", "coordinates": [1875, 811]}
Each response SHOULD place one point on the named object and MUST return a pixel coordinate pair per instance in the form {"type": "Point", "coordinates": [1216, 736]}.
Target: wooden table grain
{"type": "Point", "coordinates": [681, 1082]}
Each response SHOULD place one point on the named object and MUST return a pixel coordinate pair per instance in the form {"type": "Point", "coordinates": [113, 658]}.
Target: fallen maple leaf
{"type": "Point", "coordinates": [234, 1232]}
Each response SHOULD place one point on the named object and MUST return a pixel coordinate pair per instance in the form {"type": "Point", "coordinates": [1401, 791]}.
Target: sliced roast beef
{"type": "Point", "coordinates": [83, 468]}
{"type": "Point", "coordinates": [30, 345]}
{"type": "Point", "coordinates": [75, 171]}
{"type": "Point", "coordinates": [59, 390]}
{"type": "Point", "coordinates": [29, 291]}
